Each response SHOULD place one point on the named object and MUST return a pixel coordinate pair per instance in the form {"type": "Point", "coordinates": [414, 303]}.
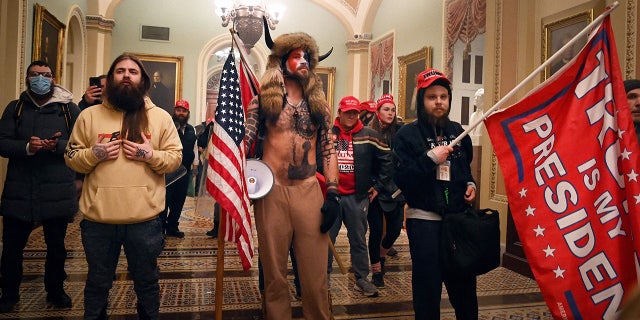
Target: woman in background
{"type": "Point", "coordinates": [388, 206]}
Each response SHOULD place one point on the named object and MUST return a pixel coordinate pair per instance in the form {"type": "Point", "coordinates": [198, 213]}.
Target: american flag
{"type": "Point", "coordinates": [225, 177]}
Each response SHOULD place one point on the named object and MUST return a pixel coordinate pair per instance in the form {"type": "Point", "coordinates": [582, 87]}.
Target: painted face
{"type": "Point", "coordinates": [633, 97]}
{"type": "Point", "coordinates": [297, 63]}
{"type": "Point", "coordinates": [348, 119]}
{"type": "Point", "coordinates": [436, 101]}
{"type": "Point", "coordinates": [387, 113]}
{"type": "Point", "coordinates": [127, 73]}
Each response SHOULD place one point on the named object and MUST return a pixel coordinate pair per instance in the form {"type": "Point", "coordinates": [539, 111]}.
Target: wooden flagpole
{"type": "Point", "coordinates": [535, 72]}
{"type": "Point", "coordinates": [220, 266]}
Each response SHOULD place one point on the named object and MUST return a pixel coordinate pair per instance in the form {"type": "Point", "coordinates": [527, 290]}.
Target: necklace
{"type": "Point", "coordinates": [302, 124]}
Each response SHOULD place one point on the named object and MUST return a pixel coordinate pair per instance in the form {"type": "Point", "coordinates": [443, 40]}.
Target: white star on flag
{"type": "Point", "coordinates": [625, 154]}
{"type": "Point", "coordinates": [620, 133]}
{"type": "Point", "coordinates": [548, 251]}
{"type": "Point", "coordinates": [523, 193]}
{"type": "Point", "coordinates": [539, 231]}
{"type": "Point", "coordinates": [633, 176]}
{"type": "Point", "coordinates": [559, 272]}
{"type": "Point", "coordinates": [530, 211]}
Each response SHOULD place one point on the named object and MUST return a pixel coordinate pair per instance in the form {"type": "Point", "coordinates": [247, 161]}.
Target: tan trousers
{"type": "Point", "coordinates": [291, 214]}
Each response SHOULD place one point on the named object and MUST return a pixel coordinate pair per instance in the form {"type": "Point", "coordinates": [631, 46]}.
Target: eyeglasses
{"type": "Point", "coordinates": [44, 74]}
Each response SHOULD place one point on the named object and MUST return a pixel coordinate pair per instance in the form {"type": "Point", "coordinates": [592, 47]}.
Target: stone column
{"type": "Point", "coordinates": [99, 31]}
{"type": "Point", "coordinates": [358, 68]}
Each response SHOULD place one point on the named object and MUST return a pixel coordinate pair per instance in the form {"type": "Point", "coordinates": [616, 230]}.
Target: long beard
{"type": "Point", "coordinates": [428, 118]}
{"type": "Point", "coordinates": [126, 98]}
{"type": "Point", "coordinates": [181, 120]}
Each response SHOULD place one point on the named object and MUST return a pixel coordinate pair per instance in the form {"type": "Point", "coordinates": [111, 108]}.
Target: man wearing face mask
{"type": "Point", "coordinates": [39, 187]}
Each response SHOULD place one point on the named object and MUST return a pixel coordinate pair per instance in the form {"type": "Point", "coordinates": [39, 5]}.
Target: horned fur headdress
{"type": "Point", "coordinates": [271, 86]}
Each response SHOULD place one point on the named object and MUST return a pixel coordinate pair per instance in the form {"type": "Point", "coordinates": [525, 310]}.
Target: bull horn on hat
{"type": "Point", "coordinates": [267, 34]}
{"type": "Point", "coordinates": [326, 55]}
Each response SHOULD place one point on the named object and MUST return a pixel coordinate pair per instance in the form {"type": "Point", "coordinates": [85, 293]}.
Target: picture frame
{"type": "Point", "coordinates": [557, 32]}
{"type": "Point", "coordinates": [48, 39]}
{"type": "Point", "coordinates": [165, 92]}
{"type": "Point", "coordinates": [328, 76]}
{"type": "Point", "coordinates": [410, 66]}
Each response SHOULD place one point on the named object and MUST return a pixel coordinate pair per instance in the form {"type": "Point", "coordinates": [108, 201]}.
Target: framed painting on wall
{"type": "Point", "coordinates": [48, 39]}
{"type": "Point", "coordinates": [166, 78]}
{"type": "Point", "coordinates": [410, 66]}
{"type": "Point", "coordinates": [556, 33]}
{"type": "Point", "coordinates": [328, 76]}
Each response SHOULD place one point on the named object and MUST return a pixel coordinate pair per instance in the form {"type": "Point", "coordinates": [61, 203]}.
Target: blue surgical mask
{"type": "Point", "coordinates": [40, 85]}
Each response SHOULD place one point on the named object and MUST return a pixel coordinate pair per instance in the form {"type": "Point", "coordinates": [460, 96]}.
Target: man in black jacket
{"type": "Point", "coordinates": [39, 187]}
{"type": "Point", "coordinates": [435, 179]}
{"type": "Point", "coordinates": [177, 191]}
{"type": "Point", "coordinates": [364, 166]}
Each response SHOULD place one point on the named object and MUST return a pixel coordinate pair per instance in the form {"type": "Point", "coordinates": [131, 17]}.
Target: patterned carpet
{"type": "Point", "coordinates": [188, 282]}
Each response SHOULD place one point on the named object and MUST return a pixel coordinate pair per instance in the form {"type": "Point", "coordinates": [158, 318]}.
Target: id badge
{"type": "Point", "coordinates": [444, 171]}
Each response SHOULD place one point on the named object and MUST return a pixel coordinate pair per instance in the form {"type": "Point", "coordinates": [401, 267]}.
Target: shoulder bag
{"type": "Point", "coordinates": [470, 242]}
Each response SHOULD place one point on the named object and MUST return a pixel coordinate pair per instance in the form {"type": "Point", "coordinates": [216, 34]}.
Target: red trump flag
{"type": "Point", "coordinates": [569, 155]}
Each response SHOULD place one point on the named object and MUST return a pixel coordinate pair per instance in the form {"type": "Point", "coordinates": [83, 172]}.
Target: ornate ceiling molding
{"type": "Point", "coordinates": [100, 22]}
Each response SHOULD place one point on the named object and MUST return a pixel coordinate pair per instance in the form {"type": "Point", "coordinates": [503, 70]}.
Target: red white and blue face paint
{"type": "Point", "coordinates": [298, 63]}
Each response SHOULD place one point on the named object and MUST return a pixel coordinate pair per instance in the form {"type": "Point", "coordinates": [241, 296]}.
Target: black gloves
{"type": "Point", "coordinates": [330, 211]}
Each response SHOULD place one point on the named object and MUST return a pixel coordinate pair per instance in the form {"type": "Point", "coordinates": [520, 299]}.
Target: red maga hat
{"type": "Point", "coordinates": [385, 98]}
{"type": "Point", "coordinates": [182, 104]}
{"type": "Point", "coordinates": [427, 77]}
{"type": "Point", "coordinates": [349, 103]}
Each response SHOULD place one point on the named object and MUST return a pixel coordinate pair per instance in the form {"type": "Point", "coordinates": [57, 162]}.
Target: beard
{"type": "Point", "coordinates": [427, 118]}
{"type": "Point", "coordinates": [126, 98]}
{"type": "Point", "coordinates": [181, 120]}
{"type": "Point", "coordinates": [41, 97]}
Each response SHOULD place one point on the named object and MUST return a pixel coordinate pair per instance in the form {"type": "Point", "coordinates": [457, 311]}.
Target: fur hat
{"type": "Point", "coordinates": [272, 82]}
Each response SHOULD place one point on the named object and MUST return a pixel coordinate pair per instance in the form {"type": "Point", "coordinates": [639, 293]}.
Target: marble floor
{"type": "Point", "coordinates": [188, 276]}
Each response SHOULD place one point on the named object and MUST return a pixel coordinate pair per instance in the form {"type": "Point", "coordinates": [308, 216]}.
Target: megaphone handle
{"type": "Point", "coordinates": [336, 256]}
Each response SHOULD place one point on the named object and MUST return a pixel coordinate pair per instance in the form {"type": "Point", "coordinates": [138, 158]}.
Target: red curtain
{"type": "Point", "coordinates": [381, 62]}
{"type": "Point", "coordinates": [466, 19]}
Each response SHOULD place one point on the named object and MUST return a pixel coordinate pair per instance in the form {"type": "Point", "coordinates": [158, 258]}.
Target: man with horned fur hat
{"type": "Point", "coordinates": [292, 117]}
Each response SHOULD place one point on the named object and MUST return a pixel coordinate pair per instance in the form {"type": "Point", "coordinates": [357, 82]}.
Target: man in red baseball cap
{"type": "Point", "coordinates": [435, 179]}
{"type": "Point", "coordinates": [177, 191]}
{"type": "Point", "coordinates": [364, 168]}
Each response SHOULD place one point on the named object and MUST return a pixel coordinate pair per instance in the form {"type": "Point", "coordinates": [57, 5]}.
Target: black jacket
{"type": "Point", "coordinates": [188, 139]}
{"type": "Point", "coordinates": [415, 172]}
{"type": "Point", "coordinates": [372, 161]}
{"type": "Point", "coordinates": [386, 199]}
{"type": "Point", "coordinates": [40, 186]}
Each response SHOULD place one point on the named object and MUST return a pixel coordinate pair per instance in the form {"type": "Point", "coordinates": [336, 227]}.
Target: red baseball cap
{"type": "Point", "coordinates": [182, 104]}
{"type": "Point", "coordinates": [349, 103]}
{"type": "Point", "coordinates": [427, 77]}
{"type": "Point", "coordinates": [368, 105]}
{"type": "Point", "coordinates": [385, 98]}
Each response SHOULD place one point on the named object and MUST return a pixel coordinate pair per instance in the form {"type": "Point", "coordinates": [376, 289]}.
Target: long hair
{"type": "Point", "coordinates": [135, 122]}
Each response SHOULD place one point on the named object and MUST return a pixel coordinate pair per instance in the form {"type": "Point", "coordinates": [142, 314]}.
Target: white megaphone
{"type": "Point", "coordinates": [259, 178]}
